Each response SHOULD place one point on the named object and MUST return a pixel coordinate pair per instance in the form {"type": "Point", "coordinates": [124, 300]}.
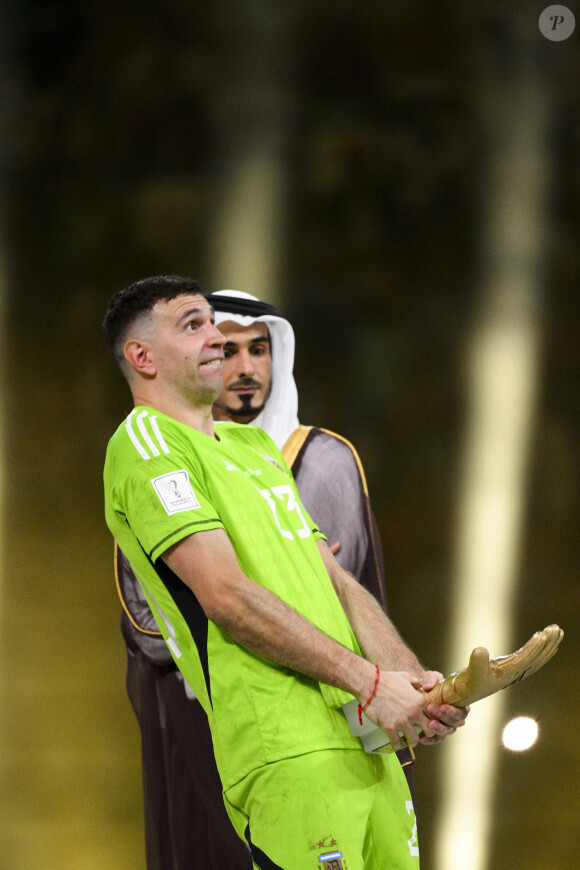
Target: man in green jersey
{"type": "Point", "coordinates": [185, 819]}
{"type": "Point", "coordinates": [272, 635]}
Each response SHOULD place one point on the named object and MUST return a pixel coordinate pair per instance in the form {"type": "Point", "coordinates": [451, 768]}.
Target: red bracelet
{"type": "Point", "coordinates": [362, 708]}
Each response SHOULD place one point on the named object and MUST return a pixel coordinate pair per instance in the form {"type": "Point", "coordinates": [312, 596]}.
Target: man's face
{"type": "Point", "coordinates": [188, 348]}
{"type": "Point", "coordinates": [247, 370]}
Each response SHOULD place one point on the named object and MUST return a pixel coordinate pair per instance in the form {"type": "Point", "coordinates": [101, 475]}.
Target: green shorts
{"type": "Point", "coordinates": [330, 810]}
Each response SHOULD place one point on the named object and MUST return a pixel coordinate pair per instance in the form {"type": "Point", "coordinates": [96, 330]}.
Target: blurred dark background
{"type": "Point", "coordinates": [346, 161]}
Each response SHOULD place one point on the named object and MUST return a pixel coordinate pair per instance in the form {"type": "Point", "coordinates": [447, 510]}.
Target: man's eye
{"type": "Point", "coordinates": [258, 351]}
{"type": "Point", "coordinates": [227, 353]}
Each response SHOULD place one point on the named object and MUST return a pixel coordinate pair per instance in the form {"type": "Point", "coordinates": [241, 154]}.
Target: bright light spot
{"type": "Point", "coordinates": [503, 366]}
{"type": "Point", "coordinates": [520, 733]}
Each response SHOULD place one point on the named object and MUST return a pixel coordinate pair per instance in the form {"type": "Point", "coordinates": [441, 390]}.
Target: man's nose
{"type": "Point", "coordinates": [245, 363]}
{"type": "Point", "coordinates": [215, 337]}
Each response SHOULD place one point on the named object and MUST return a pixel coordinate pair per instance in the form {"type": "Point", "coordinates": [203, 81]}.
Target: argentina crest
{"type": "Point", "coordinates": [332, 861]}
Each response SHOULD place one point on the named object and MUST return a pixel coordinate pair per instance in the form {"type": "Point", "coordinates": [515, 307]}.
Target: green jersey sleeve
{"type": "Point", "coordinates": [156, 484]}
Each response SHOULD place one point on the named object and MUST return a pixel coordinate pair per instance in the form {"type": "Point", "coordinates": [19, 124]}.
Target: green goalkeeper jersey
{"type": "Point", "coordinates": [164, 481]}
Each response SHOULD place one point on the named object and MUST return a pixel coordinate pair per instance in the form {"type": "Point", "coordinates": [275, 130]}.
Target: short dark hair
{"type": "Point", "coordinates": [128, 305]}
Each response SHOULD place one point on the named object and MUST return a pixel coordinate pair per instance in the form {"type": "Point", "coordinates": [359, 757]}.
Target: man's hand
{"type": "Point", "coordinates": [445, 718]}
{"type": "Point", "coordinates": [484, 676]}
{"type": "Point", "coordinates": [398, 708]}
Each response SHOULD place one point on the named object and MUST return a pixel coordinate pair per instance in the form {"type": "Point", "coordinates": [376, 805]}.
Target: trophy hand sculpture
{"type": "Point", "coordinates": [483, 676]}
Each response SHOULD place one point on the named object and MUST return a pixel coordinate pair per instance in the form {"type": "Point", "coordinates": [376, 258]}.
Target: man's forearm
{"type": "Point", "coordinates": [266, 625]}
{"type": "Point", "coordinates": [259, 620]}
{"type": "Point", "coordinates": [378, 638]}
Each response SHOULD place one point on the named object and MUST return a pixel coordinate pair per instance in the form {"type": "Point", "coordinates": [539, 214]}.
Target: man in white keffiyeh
{"type": "Point", "coordinates": [270, 338]}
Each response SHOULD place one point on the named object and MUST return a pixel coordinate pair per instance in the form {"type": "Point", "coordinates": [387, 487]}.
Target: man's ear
{"type": "Point", "coordinates": [138, 354]}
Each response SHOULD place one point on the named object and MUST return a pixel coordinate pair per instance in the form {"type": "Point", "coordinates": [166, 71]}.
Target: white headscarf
{"type": "Point", "coordinates": [280, 415]}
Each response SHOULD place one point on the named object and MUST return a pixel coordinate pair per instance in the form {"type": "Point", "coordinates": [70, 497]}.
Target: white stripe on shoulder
{"type": "Point", "coordinates": [158, 435]}
{"type": "Point", "coordinates": [145, 434]}
{"type": "Point", "coordinates": [131, 433]}
{"type": "Point", "coordinates": [143, 441]}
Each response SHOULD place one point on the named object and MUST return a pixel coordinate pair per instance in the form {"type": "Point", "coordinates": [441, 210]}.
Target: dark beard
{"type": "Point", "coordinates": [247, 409]}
